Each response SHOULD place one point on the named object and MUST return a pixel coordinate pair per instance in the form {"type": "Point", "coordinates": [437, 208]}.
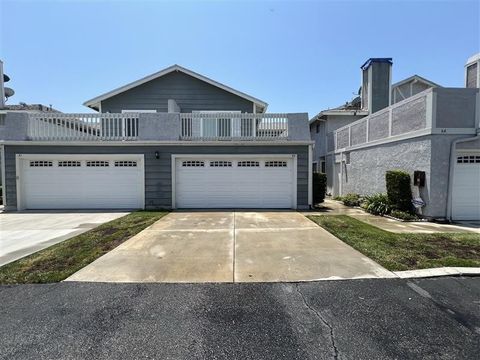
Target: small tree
{"type": "Point", "coordinates": [319, 187]}
{"type": "Point", "coordinates": [399, 191]}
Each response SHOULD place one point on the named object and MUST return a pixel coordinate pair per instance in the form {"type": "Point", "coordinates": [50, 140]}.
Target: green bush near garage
{"type": "Point", "coordinates": [351, 199]}
{"type": "Point", "coordinates": [399, 191]}
{"type": "Point", "coordinates": [377, 204]}
{"type": "Point", "coordinates": [319, 187]}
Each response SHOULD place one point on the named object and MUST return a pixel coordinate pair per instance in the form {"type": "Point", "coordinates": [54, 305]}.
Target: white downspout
{"type": "Point", "coordinates": [310, 176]}
{"type": "Point", "coordinates": [4, 190]}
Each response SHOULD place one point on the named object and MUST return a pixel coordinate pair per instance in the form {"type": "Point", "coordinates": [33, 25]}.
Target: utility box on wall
{"type": "Point", "coordinates": [419, 178]}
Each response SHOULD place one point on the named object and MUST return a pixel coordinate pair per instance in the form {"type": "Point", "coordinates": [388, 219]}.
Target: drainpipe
{"type": "Point", "coordinates": [2, 170]}
{"type": "Point", "coordinates": [451, 165]}
{"type": "Point", "coordinates": [340, 184]}
{"type": "Point", "coordinates": [310, 177]}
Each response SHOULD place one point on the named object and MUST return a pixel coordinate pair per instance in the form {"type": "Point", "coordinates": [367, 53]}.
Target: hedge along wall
{"type": "Point", "coordinates": [319, 187]}
{"type": "Point", "coordinates": [399, 190]}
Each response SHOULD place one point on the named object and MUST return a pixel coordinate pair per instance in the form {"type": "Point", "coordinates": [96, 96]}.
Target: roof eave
{"type": "Point", "coordinates": [98, 99]}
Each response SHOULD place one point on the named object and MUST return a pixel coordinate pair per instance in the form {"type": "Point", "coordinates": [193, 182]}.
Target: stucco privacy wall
{"type": "Point", "coordinates": [190, 94]}
{"type": "Point", "coordinates": [158, 175]}
{"type": "Point", "coordinates": [456, 107]}
{"type": "Point", "coordinates": [366, 172]}
{"type": "Point", "coordinates": [15, 128]}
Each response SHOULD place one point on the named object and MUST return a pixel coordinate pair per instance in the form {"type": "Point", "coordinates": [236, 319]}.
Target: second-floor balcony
{"type": "Point", "coordinates": [208, 126]}
{"type": "Point", "coordinates": [434, 111]}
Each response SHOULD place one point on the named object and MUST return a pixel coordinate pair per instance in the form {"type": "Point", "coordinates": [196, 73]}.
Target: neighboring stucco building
{"type": "Point", "coordinates": [174, 139]}
{"type": "Point", "coordinates": [375, 94]}
{"type": "Point", "coordinates": [432, 134]}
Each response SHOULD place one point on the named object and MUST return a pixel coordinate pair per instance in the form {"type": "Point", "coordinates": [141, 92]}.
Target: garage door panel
{"type": "Point", "coordinates": [222, 183]}
{"type": "Point", "coordinates": [466, 189]}
{"type": "Point", "coordinates": [118, 185]}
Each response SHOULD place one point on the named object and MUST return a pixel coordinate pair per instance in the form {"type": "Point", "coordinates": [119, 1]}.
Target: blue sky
{"type": "Point", "coordinates": [297, 56]}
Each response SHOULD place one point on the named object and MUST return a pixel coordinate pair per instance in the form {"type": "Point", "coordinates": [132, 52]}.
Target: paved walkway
{"type": "Point", "coordinates": [231, 247]}
{"type": "Point", "coordinates": [332, 207]}
{"type": "Point", "coordinates": [23, 233]}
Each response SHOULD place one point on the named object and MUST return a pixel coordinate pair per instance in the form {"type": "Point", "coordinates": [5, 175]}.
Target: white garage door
{"type": "Point", "coordinates": [466, 187]}
{"type": "Point", "coordinates": [81, 182]}
{"type": "Point", "coordinates": [235, 182]}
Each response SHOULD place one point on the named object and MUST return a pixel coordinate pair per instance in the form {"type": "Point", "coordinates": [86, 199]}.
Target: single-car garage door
{"type": "Point", "coordinates": [235, 182]}
{"type": "Point", "coordinates": [466, 187]}
{"type": "Point", "coordinates": [80, 181]}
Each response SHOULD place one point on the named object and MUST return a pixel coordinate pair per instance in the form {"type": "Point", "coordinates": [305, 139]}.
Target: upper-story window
{"type": "Point", "coordinates": [317, 129]}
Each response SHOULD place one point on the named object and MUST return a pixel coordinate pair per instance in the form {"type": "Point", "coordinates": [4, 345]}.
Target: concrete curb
{"type": "Point", "coordinates": [435, 272]}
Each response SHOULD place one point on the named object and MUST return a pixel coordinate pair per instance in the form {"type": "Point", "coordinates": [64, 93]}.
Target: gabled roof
{"type": "Point", "coordinates": [94, 103]}
{"type": "Point", "coordinates": [417, 78]}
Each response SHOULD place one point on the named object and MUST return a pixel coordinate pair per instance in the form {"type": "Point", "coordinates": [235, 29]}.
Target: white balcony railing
{"type": "Point", "coordinates": [233, 126]}
{"type": "Point", "coordinates": [82, 127]}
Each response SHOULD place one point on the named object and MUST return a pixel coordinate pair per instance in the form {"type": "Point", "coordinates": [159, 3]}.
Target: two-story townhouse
{"type": "Point", "coordinates": [173, 139]}
{"type": "Point", "coordinates": [433, 135]}
{"type": "Point", "coordinates": [375, 94]}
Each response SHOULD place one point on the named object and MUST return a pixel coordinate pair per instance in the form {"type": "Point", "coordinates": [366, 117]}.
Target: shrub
{"type": "Point", "coordinates": [337, 198]}
{"type": "Point", "coordinates": [377, 204]}
{"type": "Point", "coordinates": [402, 215]}
{"type": "Point", "coordinates": [351, 199]}
{"type": "Point", "coordinates": [399, 191]}
{"type": "Point", "coordinates": [319, 187]}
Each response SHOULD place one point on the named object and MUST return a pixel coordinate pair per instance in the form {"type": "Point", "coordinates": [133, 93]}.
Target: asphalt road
{"type": "Point", "coordinates": [358, 319]}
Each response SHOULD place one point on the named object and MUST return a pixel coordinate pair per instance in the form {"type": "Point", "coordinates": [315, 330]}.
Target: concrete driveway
{"type": "Point", "coordinates": [231, 247]}
{"type": "Point", "coordinates": [23, 233]}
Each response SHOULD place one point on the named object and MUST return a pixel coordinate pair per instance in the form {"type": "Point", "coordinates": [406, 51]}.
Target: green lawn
{"type": "Point", "coordinates": [404, 251]}
{"type": "Point", "coordinates": [61, 260]}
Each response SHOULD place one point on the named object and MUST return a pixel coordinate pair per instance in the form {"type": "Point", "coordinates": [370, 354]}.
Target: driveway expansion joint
{"type": "Point", "coordinates": [322, 319]}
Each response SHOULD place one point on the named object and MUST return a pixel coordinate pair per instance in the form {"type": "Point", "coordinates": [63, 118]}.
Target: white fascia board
{"type": "Point", "coordinates": [338, 113]}
{"type": "Point", "coordinates": [415, 78]}
{"type": "Point", "coordinates": [96, 100]}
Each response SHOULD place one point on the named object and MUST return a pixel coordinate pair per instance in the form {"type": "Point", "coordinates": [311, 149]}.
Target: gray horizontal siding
{"type": "Point", "coordinates": [158, 176]}
{"type": "Point", "coordinates": [190, 94]}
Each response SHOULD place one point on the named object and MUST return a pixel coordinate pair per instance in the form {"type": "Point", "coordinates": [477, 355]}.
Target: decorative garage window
{"type": "Point", "coordinates": [248, 163]}
{"type": "Point", "coordinates": [69, 163]}
{"type": "Point", "coordinates": [125, 163]}
{"type": "Point", "coordinates": [193, 163]}
{"type": "Point", "coordinates": [468, 159]}
{"type": "Point", "coordinates": [275, 164]}
{"type": "Point", "coordinates": [41, 163]}
{"type": "Point", "coordinates": [220, 164]}
{"type": "Point", "coordinates": [97, 163]}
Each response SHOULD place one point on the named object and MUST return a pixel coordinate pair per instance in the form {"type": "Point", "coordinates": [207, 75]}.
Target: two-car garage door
{"type": "Point", "coordinates": [235, 182]}
{"type": "Point", "coordinates": [80, 182]}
